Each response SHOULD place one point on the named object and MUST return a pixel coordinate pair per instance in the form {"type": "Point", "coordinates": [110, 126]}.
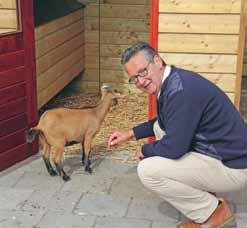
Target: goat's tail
{"type": "Point", "coordinates": [31, 134]}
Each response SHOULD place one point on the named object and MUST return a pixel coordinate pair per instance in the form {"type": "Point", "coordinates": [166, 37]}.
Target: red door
{"type": "Point", "coordinates": [18, 103]}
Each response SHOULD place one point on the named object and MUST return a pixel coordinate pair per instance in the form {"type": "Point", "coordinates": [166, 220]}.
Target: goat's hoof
{"type": "Point", "coordinates": [88, 169]}
{"type": "Point", "coordinates": [53, 173]}
{"type": "Point", "coordinates": [66, 178]}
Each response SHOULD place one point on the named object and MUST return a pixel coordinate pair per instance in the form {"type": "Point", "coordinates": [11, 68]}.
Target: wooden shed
{"type": "Point", "coordinates": [47, 45]}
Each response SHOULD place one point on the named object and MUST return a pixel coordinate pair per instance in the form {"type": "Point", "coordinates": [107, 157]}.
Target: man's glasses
{"type": "Point", "coordinates": [142, 73]}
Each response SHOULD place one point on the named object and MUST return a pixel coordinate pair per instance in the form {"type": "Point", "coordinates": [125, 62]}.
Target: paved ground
{"type": "Point", "coordinates": [112, 197]}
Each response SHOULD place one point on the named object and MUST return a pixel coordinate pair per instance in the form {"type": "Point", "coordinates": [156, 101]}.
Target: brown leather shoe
{"type": "Point", "coordinates": [222, 217]}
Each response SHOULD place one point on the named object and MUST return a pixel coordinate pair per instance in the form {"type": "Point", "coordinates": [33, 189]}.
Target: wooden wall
{"type": "Point", "coordinates": [206, 37]}
{"type": "Point", "coordinates": [110, 27]}
{"type": "Point", "coordinates": [8, 16]}
{"type": "Point", "coordinates": [59, 54]}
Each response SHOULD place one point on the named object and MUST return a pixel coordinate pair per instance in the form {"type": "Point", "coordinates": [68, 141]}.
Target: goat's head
{"type": "Point", "coordinates": [106, 89]}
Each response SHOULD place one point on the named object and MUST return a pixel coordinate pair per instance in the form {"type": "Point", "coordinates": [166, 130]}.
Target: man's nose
{"type": "Point", "coordinates": [141, 80]}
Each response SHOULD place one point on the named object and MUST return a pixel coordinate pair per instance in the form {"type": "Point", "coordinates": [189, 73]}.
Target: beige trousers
{"type": "Point", "coordinates": [185, 183]}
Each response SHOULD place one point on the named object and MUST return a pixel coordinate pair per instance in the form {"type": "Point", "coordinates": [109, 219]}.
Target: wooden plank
{"type": "Point", "coordinates": [108, 63]}
{"type": "Point", "coordinates": [91, 62]}
{"type": "Point", "coordinates": [200, 6]}
{"type": "Point", "coordinates": [44, 30]}
{"type": "Point", "coordinates": [90, 75]}
{"type": "Point", "coordinates": [128, 11]}
{"type": "Point", "coordinates": [92, 10]}
{"type": "Point", "coordinates": [17, 154]}
{"type": "Point", "coordinates": [240, 55]}
{"type": "Point", "coordinates": [12, 125]}
{"type": "Point", "coordinates": [112, 50]}
{"type": "Point", "coordinates": [55, 55]}
{"type": "Point", "coordinates": [227, 82]}
{"type": "Point", "coordinates": [14, 76]}
{"type": "Point", "coordinates": [245, 69]}
{"type": "Point", "coordinates": [91, 49]}
{"type": "Point", "coordinates": [12, 93]}
{"type": "Point", "coordinates": [11, 43]}
{"type": "Point", "coordinates": [205, 63]}
{"type": "Point", "coordinates": [12, 60]}
{"type": "Point", "coordinates": [199, 23]}
{"type": "Point", "coordinates": [43, 46]}
{"type": "Point", "coordinates": [8, 19]}
{"type": "Point", "coordinates": [13, 140]}
{"type": "Point", "coordinates": [128, 2]}
{"type": "Point", "coordinates": [122, 37]}
{"type": "Point", "coordinates": [45, 95]}
{"type": "Point", "coordinates": [118, 24]}
{"type": "Point", "coordinates": [55, 72]}
{"type": "Point", "coordinates": [198, 43]}
{"type": "Point", "coordinates": [113, 76]}
{"type": "Point", "coordinates": [91, 36]}
{"type": "Point", "coordinates": [13, 108]}
{"type": "Point", "coordinates": [9, 4]}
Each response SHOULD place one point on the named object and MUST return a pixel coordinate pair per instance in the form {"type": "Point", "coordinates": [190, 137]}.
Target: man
{"type": "Point", "coordinates": [201, 139]}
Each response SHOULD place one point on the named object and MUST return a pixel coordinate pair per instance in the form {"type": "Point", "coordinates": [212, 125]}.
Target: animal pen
{"type": "Point", "coordinates": [46, 46]}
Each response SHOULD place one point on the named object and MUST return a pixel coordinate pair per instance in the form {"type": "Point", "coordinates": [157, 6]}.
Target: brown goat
{"type": "Point", "coordinates": [59, 126]}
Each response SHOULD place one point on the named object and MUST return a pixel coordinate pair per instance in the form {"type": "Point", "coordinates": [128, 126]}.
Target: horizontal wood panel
{"type": "Point", "coordinates": [14, 155]}
{"type": "Point", "coordinates": [91, 62]}
{"type": "Point", "coordinates": [91, 49]}
{"type": "Point", "coordinates": [45, 45]}
{"type": "Point", "coordinates": [13, 108]}
{"type": "Point", "coordinates": [57, 70]}
{"type": "Point", "coordinates": [117, 10]}
{"type": "Point", "coordinates": [91, 75]}
{"type": "Point", "coordinates": [113, 76]}
{"type": "Point", "coordinates": [245, 69]}
{"type": "Point", "coordinates": [91, 37]}
{"type": "Point", "coordinates": [112, 50]}
{"type": "Point", "coordinates": [191, 43]}
{"type": "Point", "coordinates": [122, 37]}
{"type": "Point", "coordinates": [57, 54]}
{"type": "Point", "coordinates": [45, 95]}
{"type": "Point", "coordinates": [13, 140]}
{"type": "Point", "coordinates": [200, 6]}
{"type": "Point", "coordinates": [118, 24]}
{"type": "Point", "coordinates": [57, 24]}
{"type": "Point", "coordinates": [198, 23]}
{"type": "Point", "coordinates": [127, 2]}
{"type": "Point", "coordinates": [12, 93]}
{"type": "Point", "coordinates": [11, 43]}
{"type": "Point", "coordinates": [128, 11]}
{"type": "Point", "coordinates": [11, 77]}
{"type": "Point", "coordinates": [11, 60]}
{"type": "Point", "coordinates": [227, 82]}
{"type": "Point", "coordinates": [8, 18]}
{"type": "Point", "coordinates": [12, 125]}
{"type": "Point", "coordinates": [8, 4]}
{"type": "Point", "coordinates": [110, 63]}
{"type": "Point", "coordinates": [205, 63]}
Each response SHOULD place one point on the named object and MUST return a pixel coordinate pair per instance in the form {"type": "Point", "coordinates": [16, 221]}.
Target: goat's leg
{"type": "Point", "coordinates": [82, 153]}
{"type": "Point", "coordinates": [87, 148]}
{"type": "Point", "coordinates": [57, 159]}
{"type": "Point", "coordinates": [46, 158]}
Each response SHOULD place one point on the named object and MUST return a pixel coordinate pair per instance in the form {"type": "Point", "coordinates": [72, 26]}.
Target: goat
{"type": "Point", "coordinates": [59, 126]}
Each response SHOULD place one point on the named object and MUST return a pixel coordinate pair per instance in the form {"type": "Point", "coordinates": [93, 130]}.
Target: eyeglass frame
{"type": "Point", "coordinates": [144, 72]}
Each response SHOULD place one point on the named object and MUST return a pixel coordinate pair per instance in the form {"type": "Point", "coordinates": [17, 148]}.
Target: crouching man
{"type": "Point", "coordinates": [201, 139]}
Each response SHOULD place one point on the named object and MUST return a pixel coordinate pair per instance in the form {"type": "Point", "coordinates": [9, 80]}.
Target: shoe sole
{"type": "Point", "coordinates": [230, 223]}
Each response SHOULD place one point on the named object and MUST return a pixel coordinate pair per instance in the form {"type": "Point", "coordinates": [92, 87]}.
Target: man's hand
{"type": "Point", "coordinates": [119, 136]}
{"type": "Point", "coordinates": [139, 155]}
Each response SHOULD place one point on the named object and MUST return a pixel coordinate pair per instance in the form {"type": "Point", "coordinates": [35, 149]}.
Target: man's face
{"type": "Point", "coordinates": [145, 73]}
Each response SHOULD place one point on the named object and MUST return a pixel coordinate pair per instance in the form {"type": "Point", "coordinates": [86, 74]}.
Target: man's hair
{"type": "Point", "coordinates": [144, 47]}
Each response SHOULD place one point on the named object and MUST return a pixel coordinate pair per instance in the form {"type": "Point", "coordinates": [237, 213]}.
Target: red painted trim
{"type": "Point", "coordinates": [154, 22]}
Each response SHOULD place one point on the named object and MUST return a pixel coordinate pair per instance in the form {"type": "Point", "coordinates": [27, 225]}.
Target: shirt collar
{"type": "Point", "coordinates": [167, 71]}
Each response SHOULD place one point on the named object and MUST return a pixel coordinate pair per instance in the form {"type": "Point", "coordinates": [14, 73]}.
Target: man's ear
{"type": "Point", "coordinates": [158, 60]}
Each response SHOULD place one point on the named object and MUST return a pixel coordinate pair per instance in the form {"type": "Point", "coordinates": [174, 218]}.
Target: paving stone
{"type": "Point", "coordinates": [165, 224]}
{"type": "Point", "coordinates": [102, 205]}
{"type": "Point", "coordinates": [10, 179]}
{"type": "Point", "coordinates": [34, 166]}
{"type": "Point", "coordinates": [241, 215]}
{"type": "Point", "coordinates": [11, 199]}
{"type": "Point", "coordinates": [88, 183]}
{"type": "Point", "coordinates": [66, 220]}
{"type": "Point", "coordinates": [130, 186]}
{"type": "Point", "coordinates": [19, 219]}
{"type": "Point", "coordinates": [121, 223]}
{"type": "Point", "coordinates": [152, 208]}
{"type": "Point", "coordinates": [237, 197]}
{"type": "Point", "coordinates": [39, 181]}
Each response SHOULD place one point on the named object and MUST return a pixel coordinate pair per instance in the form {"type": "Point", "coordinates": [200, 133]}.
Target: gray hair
{"type": "Point", "coordinates": [148, 51]}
